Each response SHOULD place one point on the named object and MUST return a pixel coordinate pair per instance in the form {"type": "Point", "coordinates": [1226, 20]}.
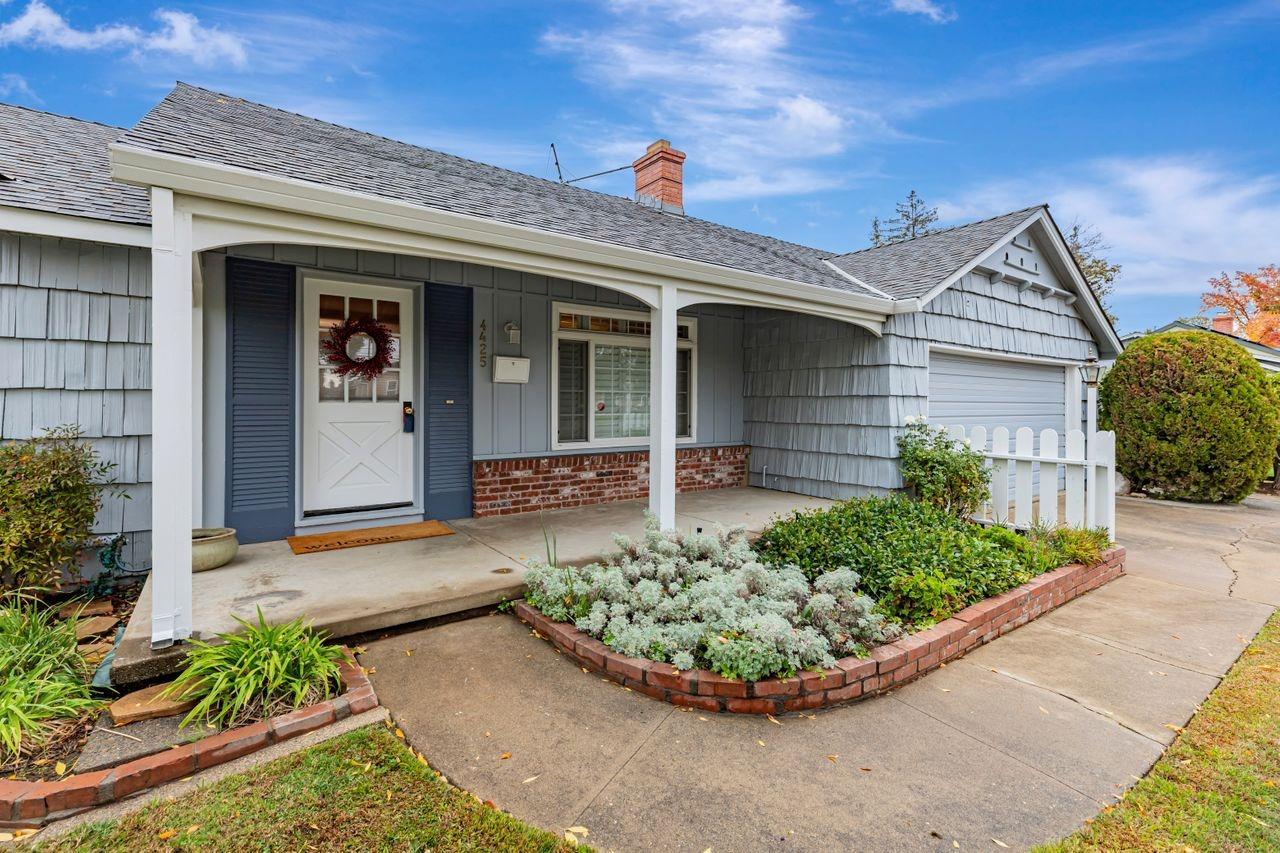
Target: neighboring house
{"type": "Point", "coordinates": [542, 329]}
{"type": "Point", "coordinates": [1267, 357]}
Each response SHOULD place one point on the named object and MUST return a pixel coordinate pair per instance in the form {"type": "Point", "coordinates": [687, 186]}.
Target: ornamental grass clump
{"type": "Point", "coordinates": [706, 601]}
{"type": "Point", "coordinates": [44, 681]}
{"type": "Point", "coordinates": [257, 673]}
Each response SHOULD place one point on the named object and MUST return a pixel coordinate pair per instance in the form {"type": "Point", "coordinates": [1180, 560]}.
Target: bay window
{"type": "Point", "coordinates": [600, 376]}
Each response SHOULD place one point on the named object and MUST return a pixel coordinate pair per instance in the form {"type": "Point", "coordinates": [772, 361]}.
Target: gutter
{"type": "Point", "coordinates": [200, 178]}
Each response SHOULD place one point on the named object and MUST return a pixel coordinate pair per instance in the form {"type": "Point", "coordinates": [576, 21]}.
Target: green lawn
{"type": "Point", "coordinates": [1218, 786]}
{"type": "Point", "coordinates": [362, 791]}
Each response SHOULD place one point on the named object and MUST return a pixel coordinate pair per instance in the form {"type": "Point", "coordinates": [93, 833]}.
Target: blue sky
{"type": "Point", "coordinates": [1157, 123]}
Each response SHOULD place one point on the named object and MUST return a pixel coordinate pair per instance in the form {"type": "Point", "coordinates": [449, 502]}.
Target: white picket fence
{"type": "Point", "coordinates": [1088, 484]}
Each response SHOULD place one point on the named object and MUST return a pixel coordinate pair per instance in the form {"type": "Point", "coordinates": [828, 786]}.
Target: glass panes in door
{"type": "Point", "coordinates": [333, 388]}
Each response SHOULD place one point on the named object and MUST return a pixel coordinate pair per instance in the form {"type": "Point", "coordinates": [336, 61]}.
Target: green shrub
{"type": "Point", "coordinates": [918, 561]}
{"type": "Point", "coordinates": [701, 600]}
{"type": "Point", "coordinates": [259, 672]}
{"type": "Point", "coordinates": [50, 491]}
{"type": "Point", "coordinates": [1194, 417]}
{"type": "Point", "coordinates": [942, 471]}
{"type": "Point", "coordinates": [44, 682]}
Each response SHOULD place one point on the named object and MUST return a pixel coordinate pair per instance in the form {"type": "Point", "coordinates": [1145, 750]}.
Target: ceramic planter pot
{"type": "Point", "coordinates": [212, 547]}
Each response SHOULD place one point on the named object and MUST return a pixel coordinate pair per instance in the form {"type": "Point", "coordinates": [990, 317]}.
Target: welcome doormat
{"type": "Point", "coordinates": [314, 542]}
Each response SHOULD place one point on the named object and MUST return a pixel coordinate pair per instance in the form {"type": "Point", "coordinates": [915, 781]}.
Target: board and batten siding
{"type": "Point", "coordinates": [75, 334]}
{"type": "Point", "coordinates": [514, 420]}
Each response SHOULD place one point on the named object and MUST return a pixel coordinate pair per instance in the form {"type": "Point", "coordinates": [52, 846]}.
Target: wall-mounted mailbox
{"type": "Point", "coordinates": [510, 369]}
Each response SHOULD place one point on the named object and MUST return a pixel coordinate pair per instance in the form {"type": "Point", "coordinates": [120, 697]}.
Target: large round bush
{"type": "Point", "coordinates": [1194, 415]}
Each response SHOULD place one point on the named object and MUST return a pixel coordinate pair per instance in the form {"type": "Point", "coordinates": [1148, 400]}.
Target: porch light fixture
{"type": "Point", "coordinates": [1089, 372]}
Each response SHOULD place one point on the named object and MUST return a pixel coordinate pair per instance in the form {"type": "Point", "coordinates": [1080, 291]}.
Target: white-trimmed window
{"type": "Point", "coordinates": [600, 376]}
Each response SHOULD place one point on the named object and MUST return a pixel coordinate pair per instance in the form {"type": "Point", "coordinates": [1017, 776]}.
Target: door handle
{"type": "Point", "coordinates": [407, 412]}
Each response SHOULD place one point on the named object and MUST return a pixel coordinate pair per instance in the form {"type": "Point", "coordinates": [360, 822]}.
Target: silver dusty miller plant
{"type": "Point", "coordinates": [705, 601]}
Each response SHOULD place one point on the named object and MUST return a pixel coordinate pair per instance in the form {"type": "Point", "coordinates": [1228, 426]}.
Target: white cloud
{"type": "Point", "coordinates": [16, 86]}
{"type": "Point", "coordinates": [933, 11]}
{"type": "Point", "coordinates": [1171, 222]}
{"type": "Point", "coordinates": [180, 34]}
{"type": "Point", "coordinates": [723, 80]}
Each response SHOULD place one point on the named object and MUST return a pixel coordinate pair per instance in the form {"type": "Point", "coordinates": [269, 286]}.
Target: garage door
{"type": "Point", "coordinates": [996, 392]}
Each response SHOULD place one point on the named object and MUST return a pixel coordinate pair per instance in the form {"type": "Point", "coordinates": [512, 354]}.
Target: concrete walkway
{"type": "Point", "coordinates": [360, 590]}
{"type": "Point", "coordinates": [1021, 741]}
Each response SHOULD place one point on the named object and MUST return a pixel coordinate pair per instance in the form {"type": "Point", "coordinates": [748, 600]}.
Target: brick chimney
{"type": "Point", "coordinates": [660, 177]}
{"type": "Point", "coordinates": [1224, 323]}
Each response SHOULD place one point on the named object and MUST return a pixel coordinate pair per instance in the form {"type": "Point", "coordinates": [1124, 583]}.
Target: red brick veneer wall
{"type": "Point", "coordinates": [508, 486]}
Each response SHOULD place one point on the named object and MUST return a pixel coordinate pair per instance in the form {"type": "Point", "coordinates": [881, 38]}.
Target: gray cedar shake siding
{"type": "Point", "coordinates": [75, 331]}
{"type": "Point", "coordinates": [826, 401]}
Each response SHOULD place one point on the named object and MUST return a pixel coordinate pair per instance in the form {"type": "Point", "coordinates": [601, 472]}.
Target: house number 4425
{"type": "Point", "coordinates": [482, 343]}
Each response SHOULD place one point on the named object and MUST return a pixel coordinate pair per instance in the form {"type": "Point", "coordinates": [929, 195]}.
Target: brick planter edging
{"type": "Point", "coordinates": [32, 804]}
{"type": "Point", "coordinates": [851, 678]}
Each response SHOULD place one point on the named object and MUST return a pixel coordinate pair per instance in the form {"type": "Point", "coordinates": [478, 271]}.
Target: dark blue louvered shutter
{"type": "Point", "coordinates": [261, 414]}
{"type": "Point", "coordinates": [448, 421]}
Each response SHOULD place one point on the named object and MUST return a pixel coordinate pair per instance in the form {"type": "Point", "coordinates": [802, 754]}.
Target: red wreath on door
{"type": "Point", "coordinates": [334, 348]}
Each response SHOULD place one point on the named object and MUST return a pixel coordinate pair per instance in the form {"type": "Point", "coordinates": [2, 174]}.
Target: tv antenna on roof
{"type": "Point", "coordinates": [560, 174]}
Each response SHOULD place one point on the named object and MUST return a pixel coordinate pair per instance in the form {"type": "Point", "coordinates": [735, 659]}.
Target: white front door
{"type": "Point", "coordinates": [355, 452]}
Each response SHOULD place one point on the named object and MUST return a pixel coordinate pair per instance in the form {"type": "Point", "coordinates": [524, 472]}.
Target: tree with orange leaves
{"type": "Point", "coordinates": [1252, 299]}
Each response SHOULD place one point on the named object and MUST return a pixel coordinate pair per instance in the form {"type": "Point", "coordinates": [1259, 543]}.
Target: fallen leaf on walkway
{"type": "Point", "coordinates": [998, 841]}
{"type": "Point", "coordinates": [772, 720]}
{"type": "Point", "coordinates": [400, 734]}
{"type": "Point", "coordinates": [408, 653]}
{"type": "Point", "coordinates": [760, 742]}
{"type": "Point", "coordinates": [504, 756]}
{"type": "Point", "coordinates": [1042, 709]}
{"type": "Point", "coordinates": [530, 779]}
{"type": "Point", "coordinates": [488, 734]}
{"type": "Point", "coordinates": [865, 769]}
{"type": "Point", "coordinates": [579, 830]}
{"type": "Point", "coordinates": [358, 650]}
{"type": "Point", "coordinates": [571, 838]}
{"type": "Point", "coordinates": [955, 843]}
{"type": "Point", "coordinates": [832, 758]}
{"type": "Point", "coordinates": [1171, 727]}
{"type": "Point", "coordinates": [1175, 636]}
{"type": "Point", "coordinates": [945, 689]}
{"type": "Point", "coordinates": [704, 719]}
{"type": "Point", "coordinates": [584, 669]}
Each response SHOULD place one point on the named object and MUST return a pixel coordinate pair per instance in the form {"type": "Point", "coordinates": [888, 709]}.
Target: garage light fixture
{"type": "Point", "coordinates": [1089, 372]}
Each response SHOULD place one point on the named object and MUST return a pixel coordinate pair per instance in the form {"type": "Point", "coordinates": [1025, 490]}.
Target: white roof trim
{"type": "Point", "coordinates": [856, 280]}
{"type": "Point", "coordinates": [1088, 303]}
{"type": "Point", "coordinates": [25, 221]}
{"type": "Point", "coordinates": [205, 179]}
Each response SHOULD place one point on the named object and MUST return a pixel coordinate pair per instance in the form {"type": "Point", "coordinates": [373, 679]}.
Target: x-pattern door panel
{"type": "Point", "coordinates": [355, 451]}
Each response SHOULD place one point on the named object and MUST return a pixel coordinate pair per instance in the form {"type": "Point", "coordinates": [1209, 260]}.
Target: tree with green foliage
{"type": "Point", "coordinates": [1194, 415]}
{"type": "Point", "coordinates": [1087, 247]}
{"type": "Point", "coordinates": [911, 218]}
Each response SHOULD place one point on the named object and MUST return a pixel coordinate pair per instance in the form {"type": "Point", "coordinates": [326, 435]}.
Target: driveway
{"type": "Point", "coordinates": [1016, 744]}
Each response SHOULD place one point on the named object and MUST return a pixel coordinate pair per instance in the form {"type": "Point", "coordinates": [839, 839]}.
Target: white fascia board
{"type": "Point", "coordinates": [25, 221]}
{"type": "Point", "coordinates": [211, 180]}
{"type": "Point", "coordinates": [856, 280]}
{"type": "Point", "coordinates": [979, 258]}
{"type": "Point", "coordinates": [1095, 317]}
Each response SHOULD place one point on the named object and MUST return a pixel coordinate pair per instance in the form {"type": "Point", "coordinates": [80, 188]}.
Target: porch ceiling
{"type": "Point", "coordinates": [361, 590]}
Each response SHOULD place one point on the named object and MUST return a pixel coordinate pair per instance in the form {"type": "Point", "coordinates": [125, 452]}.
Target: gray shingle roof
{"type": "Point", "coordinates": [205, 125]}
{"type": "Point", "coordinates": [914, 267]}
{"type": "Point", "coordinates": [59, 165]}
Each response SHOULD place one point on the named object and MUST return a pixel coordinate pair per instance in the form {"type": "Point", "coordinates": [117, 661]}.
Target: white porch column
{"type": "Point", "coordinates": [172, 411]}
{"type": "Point", "coordinates": [662, 408]}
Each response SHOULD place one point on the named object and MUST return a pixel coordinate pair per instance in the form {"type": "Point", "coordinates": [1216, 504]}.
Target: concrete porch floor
{"type": "Point", "coordinates": [358, 590]}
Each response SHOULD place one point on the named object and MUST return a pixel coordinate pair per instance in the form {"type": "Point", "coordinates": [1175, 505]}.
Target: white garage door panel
{"type": "Point", "coordinates": [996, 392]}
